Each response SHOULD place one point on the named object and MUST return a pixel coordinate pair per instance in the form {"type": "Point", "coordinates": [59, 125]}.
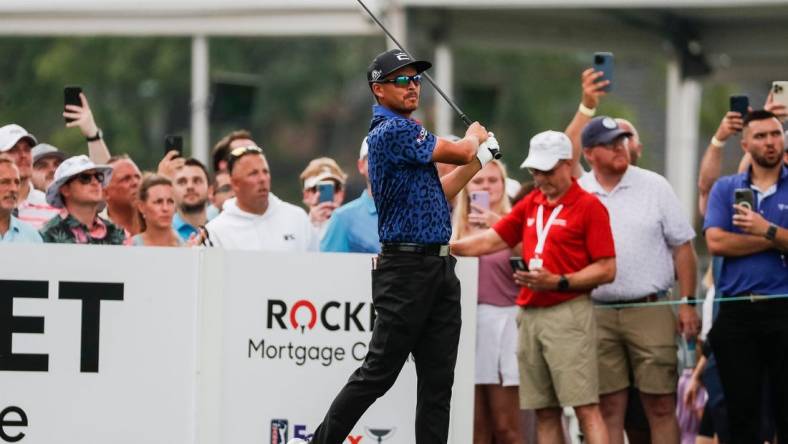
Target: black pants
{"type": "Point", "coordinates": [750, 342]}
{"type": "Point", "coordinates": [417, 299]}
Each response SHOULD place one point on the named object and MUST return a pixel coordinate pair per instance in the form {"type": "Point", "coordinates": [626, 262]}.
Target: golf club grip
{"type": "Point", "coordinates": [495, 152]}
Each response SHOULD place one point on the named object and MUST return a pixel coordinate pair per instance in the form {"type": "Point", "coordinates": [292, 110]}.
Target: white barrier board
{"type": "Point", "coordinates": [185, 346]}
{"type": "Point", "coordinates": [293, 338]}
{"type": "Point", "coordinates": [129, 376]}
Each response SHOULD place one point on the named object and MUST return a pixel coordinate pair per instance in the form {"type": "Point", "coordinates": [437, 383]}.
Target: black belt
{"type": "Point", "coordinates": [650, 298]}
{"type": "Point", "coordinates": [423, 249]}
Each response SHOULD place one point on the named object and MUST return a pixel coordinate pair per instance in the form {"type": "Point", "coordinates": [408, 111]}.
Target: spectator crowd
{"type": "Point", "coordinates": [587, 277]}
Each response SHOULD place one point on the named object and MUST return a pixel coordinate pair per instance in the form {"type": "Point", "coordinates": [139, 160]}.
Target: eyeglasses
{"type": "Point", "coordinates": [86, 178]}
{"type": "Point", "coordinates": [402, 80]}
{"type": "Point", "coordinates": [239, 152]}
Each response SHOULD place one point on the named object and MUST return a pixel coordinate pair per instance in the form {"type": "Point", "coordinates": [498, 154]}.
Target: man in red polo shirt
{"type": "Point", "coordinates": [568, 249]}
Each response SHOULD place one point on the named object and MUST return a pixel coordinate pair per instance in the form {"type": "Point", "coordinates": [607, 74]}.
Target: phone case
{"type": "Point", "coordinates": [480, 199]}
{"type": "Point", "coordinates": [71, 97]}
{"type": "Point", "coordinates": [780, 92]}
{"type": "Point", "coordinates": [740, 104]}
{"type": "Point", "coordinates": [325, 192]}
{"type": "Point", "coordinates": [745, 197]}
{"type": "Point", "coordinates": [603, 61]}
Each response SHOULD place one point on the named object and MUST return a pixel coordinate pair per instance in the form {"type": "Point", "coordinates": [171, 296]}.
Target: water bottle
{"type": "Point", "coordinates": [688, 344]}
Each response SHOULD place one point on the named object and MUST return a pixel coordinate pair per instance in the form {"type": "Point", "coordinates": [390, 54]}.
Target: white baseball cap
{"type": "Point", "coordinates": [364, 151]}
{"type": "Point", "coordinates": [547, 149]}
{"type": "Point", "coordinates": [70, 168]}
{"type": "Point", "coordinates": [11, 134]}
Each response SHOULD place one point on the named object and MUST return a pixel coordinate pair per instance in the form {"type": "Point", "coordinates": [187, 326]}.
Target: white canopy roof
{"type": "Point", "coordinates": [277, 17]}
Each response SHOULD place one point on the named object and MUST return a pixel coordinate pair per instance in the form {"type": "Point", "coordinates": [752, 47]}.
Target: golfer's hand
{"type": "Point", "coordinates": [477, 130]}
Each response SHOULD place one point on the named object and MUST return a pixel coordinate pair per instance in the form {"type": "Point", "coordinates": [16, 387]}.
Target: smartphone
{"type": "Point", "coordinates": [740, 104]}
{"type": "Point", "coordinates": [780, 92]}
{"type": "Point", "coordinates": [173, 143]}
{"type": "Point", "coordinates": [325, 191]}
{"type": "Point", "coordinates": [744, 197]}
{"type": "Point", "coordinates": [517, 263]}
{"type": "Point", "coordinates": [603, 61]}
{"type": "Point", "coordinates": [71, 97]}
{"type": "Point", "coordinates": [480, 199]}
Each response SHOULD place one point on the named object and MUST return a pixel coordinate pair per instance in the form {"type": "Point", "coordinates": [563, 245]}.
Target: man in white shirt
{"type": "Point", "coordinates": [256, 219]}
{"type": "Point", "coordinates": [653, 240]}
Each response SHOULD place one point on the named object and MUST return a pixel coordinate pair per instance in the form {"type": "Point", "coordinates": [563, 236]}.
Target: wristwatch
{"type": "Point", "coordinates": [771, 232]}
{"type": "Point", "coordinates": [563, 283]}
{"type": "Point", "coordinates": [99, 135]}
{"type": "Point", "coordinates": [689, 300]}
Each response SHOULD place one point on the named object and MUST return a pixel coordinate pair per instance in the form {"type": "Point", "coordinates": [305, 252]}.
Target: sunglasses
{"type": "Point", "coordinates": [86, 178]}
{"type": "Point", "coordinates": [402, 80]}
{"type": "Point", "coordinates": [618, 143]}
{"type": "Point", "coordinates": [239, 152]}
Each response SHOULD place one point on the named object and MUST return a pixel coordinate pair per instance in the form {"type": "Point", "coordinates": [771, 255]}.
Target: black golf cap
{"type": "Point", "coordinates": [387, 62]}
{"type": "Point", "coordinates": [601, 131]}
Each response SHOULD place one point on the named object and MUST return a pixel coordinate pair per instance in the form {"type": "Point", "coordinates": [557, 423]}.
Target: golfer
{"type": "Point", "coordinates": [414, 289]}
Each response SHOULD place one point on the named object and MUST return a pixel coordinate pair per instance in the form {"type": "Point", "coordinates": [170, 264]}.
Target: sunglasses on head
{"type": "Point", "coordinates": [86, 178]}
{"type": "Point", "coordinates": [402, 80]}
{"type": "Point", "coordinates": [239, 152]}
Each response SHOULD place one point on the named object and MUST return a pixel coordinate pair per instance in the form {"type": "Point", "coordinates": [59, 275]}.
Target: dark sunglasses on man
{"type": "Point", "coordinates": [86, 178]}
{"type": "Point", "coordinates": [402, 80]}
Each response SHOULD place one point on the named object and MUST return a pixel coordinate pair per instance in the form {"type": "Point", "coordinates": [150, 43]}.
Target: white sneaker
{"type": "Point", "coordinates": [297, 441]}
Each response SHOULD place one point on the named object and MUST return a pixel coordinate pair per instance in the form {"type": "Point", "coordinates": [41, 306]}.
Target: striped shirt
{"type": "Point", "coordinates": [35, 210]}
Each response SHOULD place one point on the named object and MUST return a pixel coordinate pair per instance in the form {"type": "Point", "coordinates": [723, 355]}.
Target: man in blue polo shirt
{"type": "Point", "coordinates": [750, 338]}
{"type": "Point", "coordinates": [353, 228]}
{"type": "Point", "coordinates": [414, 288]}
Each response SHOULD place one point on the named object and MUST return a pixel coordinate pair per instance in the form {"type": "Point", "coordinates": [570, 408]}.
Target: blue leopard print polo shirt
{"type": "Point", "coordinates": [405, 184]}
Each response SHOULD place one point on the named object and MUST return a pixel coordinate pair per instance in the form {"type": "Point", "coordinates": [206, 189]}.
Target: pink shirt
{"type": "Point", "coordinates": [35, 210]}
{"type": "Point", "coordinates": [496, 283]}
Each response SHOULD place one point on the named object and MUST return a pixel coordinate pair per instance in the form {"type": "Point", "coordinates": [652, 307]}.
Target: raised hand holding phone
{"type": "Point", "coordinates": [173, 143]}
{"type": "Point", "coordinates": [603, 62]}
{"type": "Point", "coordinates": [77, 112]}
{"type": "Point", "coordinates": [740, 104]}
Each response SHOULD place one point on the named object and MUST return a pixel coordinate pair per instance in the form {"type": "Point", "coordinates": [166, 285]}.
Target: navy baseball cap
{"type": "Point", "coordinates": [387, 62]}
{"type": "Point", "coordinates": [601, 131]}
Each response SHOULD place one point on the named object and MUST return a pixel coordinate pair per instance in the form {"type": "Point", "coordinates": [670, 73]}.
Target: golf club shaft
{"type": "Point", "coordinates": [451, 103]}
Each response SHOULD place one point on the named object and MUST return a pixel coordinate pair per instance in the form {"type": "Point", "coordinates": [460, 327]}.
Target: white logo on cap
{"type": "Point", "coordinates": [609, 123]}
{"type": "Point", "coordinates": [376, 74]}
{"type": "Point", "coordinates": [402, 56]}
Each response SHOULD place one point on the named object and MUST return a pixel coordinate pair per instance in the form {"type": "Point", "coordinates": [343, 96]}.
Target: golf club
{"type": "Point", "coordinates": [495, 152]}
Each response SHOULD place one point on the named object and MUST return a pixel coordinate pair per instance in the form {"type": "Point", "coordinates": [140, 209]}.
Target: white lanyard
{"type": "Point", "coordinates": [542, 229]}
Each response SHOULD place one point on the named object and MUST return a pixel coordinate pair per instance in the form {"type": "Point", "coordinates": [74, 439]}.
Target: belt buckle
{"type": "Point", "coordinates": [757, 298]}
{"type": "Point", "coordinates": [444, 250]}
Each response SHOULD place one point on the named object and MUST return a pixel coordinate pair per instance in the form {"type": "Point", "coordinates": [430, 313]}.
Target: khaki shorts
{"type": "Point", "coordinates": [640, 341]}
{"type": "Point", "coordinates": [557, 356]}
